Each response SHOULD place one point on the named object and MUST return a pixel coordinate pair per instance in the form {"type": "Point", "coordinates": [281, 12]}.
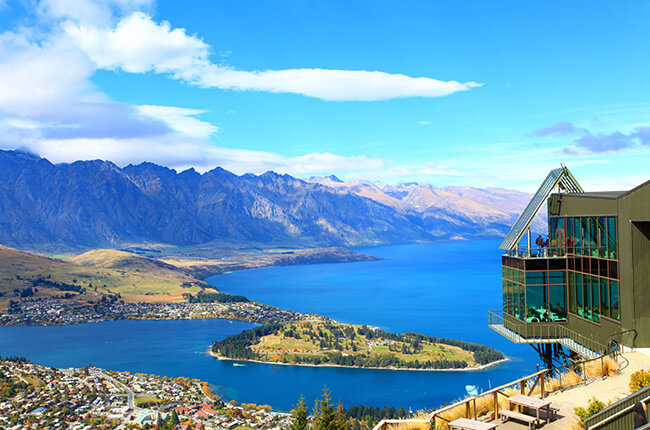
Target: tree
{"type": "Point", "coordinates": [300, 419]}
{"type": "Point", "coordinates": [174, 418]}
{"type": "Point", "coordinates": [324, 414]}
{"type": "Point", "coordinates": [340, 419]}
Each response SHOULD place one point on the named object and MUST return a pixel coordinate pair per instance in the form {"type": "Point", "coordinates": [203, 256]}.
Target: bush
{"type": "Point", "coordinates": [639, 380]}
{"type": "Point", "coordinates": [593, 408]}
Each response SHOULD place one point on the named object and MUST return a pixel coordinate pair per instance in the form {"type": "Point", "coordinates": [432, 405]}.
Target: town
{"type": "Point", "coordinates": [55, 312]}
{"type": "Point", "coordinates": [39, 397]}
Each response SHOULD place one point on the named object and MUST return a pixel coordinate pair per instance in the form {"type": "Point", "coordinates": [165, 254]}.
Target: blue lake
{"type": "Point", "coordinates": [442, 289]}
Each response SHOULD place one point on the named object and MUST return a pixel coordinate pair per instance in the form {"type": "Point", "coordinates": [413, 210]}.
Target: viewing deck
{"type": "Point", "coordinates": [524, 333]}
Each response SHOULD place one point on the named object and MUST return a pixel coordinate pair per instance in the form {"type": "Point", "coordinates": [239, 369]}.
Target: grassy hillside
{"type": "Point", "coordinates": [328, 342]}
{"type": "Point", "coordinates": [87, 277]}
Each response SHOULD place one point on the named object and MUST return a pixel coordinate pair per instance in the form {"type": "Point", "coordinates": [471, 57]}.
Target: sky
{"type": "Point", "coordinates": [479, 93]}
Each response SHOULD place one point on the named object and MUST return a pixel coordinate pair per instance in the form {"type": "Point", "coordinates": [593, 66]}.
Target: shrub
{"type": "Point", "coordinates": [639, 379]}
{"type": "Point", "coordinates": [593, 408]}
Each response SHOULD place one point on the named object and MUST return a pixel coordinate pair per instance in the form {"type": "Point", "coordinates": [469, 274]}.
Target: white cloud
{"type": "Point", "coordinates": [425, 122]}
{"type": "Point", "coordinates": [181, 120]}
{"type": "Point", "coordinates": [97, 12]}
{"type": "Point", "coordinates": [137, 44]}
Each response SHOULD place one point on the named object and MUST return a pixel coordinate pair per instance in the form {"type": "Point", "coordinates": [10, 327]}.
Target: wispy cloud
{"type": "Point", "coordinates": [559, 128]}
{"type": "Point", "coordinates": [137, 44]}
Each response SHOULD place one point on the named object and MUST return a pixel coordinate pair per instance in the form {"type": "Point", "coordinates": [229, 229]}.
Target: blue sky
{"type": "Point", "coordinates": [449, 93]}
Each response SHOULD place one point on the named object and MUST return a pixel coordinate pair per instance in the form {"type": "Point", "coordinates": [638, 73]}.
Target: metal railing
{"type": "Point", "coordinates": [527, 385]}
{"type": "Point", "coordinates": [541, 332]}
{"type": "Point", "coordinates": [619, 415]}
{"type": "Point", "coordinates": [537, 252]}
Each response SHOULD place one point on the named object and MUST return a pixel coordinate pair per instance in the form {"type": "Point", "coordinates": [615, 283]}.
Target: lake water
{"type": "Point", "coordinates": [442, 289]}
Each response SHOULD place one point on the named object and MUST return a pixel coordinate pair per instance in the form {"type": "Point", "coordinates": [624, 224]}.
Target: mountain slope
{"type": "Point", "coordinates": [460, 212]}
{"type": "Point", "coordinates": [92, 275]}
{"type": "Point", "coordinates": [96, 204]}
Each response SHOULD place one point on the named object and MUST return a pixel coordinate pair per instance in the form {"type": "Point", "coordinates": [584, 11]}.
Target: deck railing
{"type": "Point", "coordinates": [619, 415]}
{"type": "Point", "coordinates": [542, 331]}
{"type": "Point", "coordinates": [474, 406]}
{"type": "Point", "coordinates": [537, 252]}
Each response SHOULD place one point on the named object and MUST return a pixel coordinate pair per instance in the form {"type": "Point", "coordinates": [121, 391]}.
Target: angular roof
{"type": "Point", "coordinates": [561, 178]}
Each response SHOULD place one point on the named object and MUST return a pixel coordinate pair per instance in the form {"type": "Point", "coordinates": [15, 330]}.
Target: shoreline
{"type": "Point", "coordinates": [467, 369]}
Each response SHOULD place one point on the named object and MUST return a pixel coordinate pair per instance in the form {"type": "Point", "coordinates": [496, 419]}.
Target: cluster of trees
{"type": "Point", "coordinates": [325, 416]}
{"type": "Point", "coordinates": [238, 346]}
{"type": "Point", "coordinates": [375, 360]}
{"type": "Point", "coordinates": [61, 286]}
{"type": "Point", "coordinates": [216, 298]}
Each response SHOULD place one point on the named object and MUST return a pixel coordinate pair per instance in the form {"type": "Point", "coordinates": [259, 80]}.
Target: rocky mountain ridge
{"type": "Point", "coordinates": [91, 204]}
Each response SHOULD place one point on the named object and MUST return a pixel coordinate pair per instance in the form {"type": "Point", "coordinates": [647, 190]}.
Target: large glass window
{"type": "Point", "coordinates": [604, 298]}
{"type": "Point", "coordinates": [602, 236]}
{"type": "Point", "coordinates": [611, 237]}
{"type": "Point", "coordinates": [584, 232]}
{"type": "Point", "coordinates": [577, 229]}
{"type": "Point", "coordinates": [586, 288]}
{"type": "Point", "coordinates": [570, 236]}
{"type": "Point", "coordinates": [595, 296]}
{"type": "Point", "coordinates": [535, 278]}
{"type": "Point", "coordinates": [580, 307]}
{"type": "Point", "coordinates": [613, 291]}
{"type": "Point", "coordinates": [572, 292]}
{"type": "Point", "coordinates": [536, 299]}
{"type": "Point", "coordinates": [593, 236]}
{"type": "Point", "coordinates": [557, 302]}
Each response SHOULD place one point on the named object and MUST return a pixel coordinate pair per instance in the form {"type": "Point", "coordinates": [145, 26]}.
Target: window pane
{"type": "Point", "coordinates": [557, 277]}
{"type": "Point", "coordinates": [611, 237]}
{"type": "Point", "coordinates": [586, 288]}
{"type": "Point", "coordinates": [522, 302]}
{"type": "Point", "coordinates": [613, 291]}
{"type": "Point", "coordinates": [505, 295]}
{"type": "Point", "coordinates": [571, 240]}
{"type": "Point", "coordinates": [509, 300]}
{"type": "Point", "coordinates": [595, 295]}
{"type": "Point", "coordinates": [602, 237]}
{"type": "Point", "coordinates": [613, 269]}
{"type": "Point", "coordinates": [572, 292]}
{"type": "Point", "coordinates": [535, 278]}
{"type": "Point", "coordinates": [593, 236]}
{"type": "Point", "coordinates": [604, 298]}
{"type": "Point", "coordinates": [577, 230]}
{"type": "Point", "coordinates": [557, 300]}
{"type": "Point", "coordinates": [579, 296]}
{"type": "Point", "coordinates": [536, 296]}
{"type": "Point", "coordinates": [584, 232]}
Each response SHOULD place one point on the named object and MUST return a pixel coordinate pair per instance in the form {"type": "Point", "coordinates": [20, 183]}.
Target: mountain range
{"type": "Point", "coordinates": [91, 204]}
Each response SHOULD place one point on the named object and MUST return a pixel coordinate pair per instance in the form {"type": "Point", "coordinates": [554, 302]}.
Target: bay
{"type": "Point", "coordinates": [441, 289]}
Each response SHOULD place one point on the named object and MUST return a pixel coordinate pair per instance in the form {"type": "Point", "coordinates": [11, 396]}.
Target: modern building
{"type": "Point", "coordinates": [588, 287]}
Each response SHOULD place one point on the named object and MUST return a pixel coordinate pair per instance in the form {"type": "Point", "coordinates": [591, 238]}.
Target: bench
{"type": "Point", "coordinates": [552, 413]}
{"type": "Point", "coordinates": [506, 414]}
{"type": "Point", "coordinates": [467, 424]}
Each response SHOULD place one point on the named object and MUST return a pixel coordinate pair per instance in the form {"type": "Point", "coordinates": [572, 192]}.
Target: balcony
{"type": "Point", "coordinates": [535, 252]}
{"type": "Point", "coordinates": [536, 333]}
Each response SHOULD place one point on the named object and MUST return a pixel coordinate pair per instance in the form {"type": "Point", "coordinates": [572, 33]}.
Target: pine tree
{"type": "Point", "coordinates": [340, 420]}
{"type": "Point", "coordinates": [300, 419]}
{"type": "Point", "coordinates": [324, 414]}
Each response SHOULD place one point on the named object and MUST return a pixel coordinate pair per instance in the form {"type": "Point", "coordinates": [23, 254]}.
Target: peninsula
{"type": "Point", "coordinates": [330, 343]}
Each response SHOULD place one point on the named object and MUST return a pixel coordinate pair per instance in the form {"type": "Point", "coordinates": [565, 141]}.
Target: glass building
{"type": "Point", "coordinates": [587, 286]}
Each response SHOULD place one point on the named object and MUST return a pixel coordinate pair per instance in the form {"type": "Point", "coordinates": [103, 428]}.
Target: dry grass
{"type": "Point", "coordinates": [484, 405]}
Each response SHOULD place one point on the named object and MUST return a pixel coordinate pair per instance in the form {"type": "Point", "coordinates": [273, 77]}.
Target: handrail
{"type": "Point", "coordinates": [523, 383]}
{"type": "Point", "coordinates": [616, 415]}
{"type": "Point", "coordinates": [545, 330]}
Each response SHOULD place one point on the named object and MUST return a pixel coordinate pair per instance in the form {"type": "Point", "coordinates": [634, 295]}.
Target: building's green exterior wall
{"type": "Point", "coordinates": [632, 210]}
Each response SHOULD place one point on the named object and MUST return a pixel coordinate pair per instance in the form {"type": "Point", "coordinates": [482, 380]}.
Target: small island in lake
{"type": "Point", "coordinates": [330, 343]}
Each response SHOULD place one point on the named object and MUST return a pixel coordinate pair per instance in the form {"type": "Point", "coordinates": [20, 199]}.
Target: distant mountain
{"type": "Point", "coordinates": [93, 204]}
{"type": "Point", "coordinates": [456, 212]}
